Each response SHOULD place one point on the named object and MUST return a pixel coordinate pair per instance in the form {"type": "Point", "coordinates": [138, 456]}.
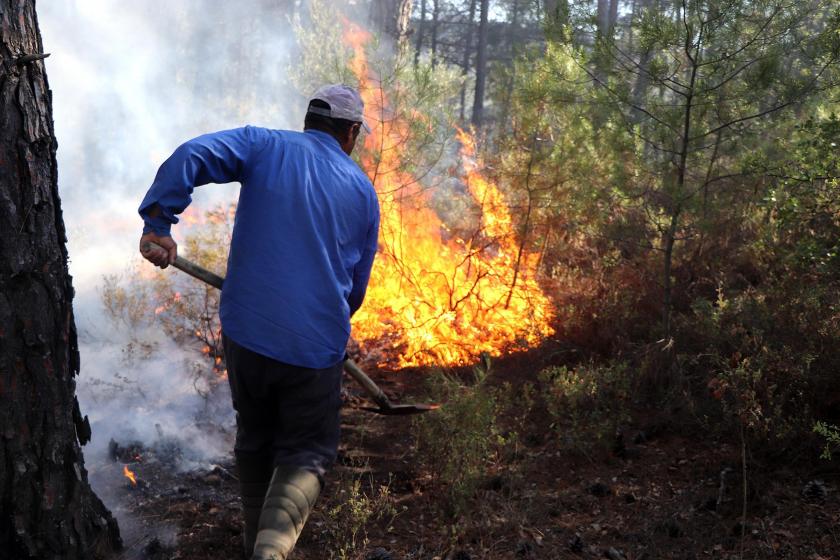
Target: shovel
{"type": "Point", "coordinates": [384, 405]}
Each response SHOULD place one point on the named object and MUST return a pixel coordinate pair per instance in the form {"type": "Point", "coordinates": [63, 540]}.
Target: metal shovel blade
{"type": "Point", "coordinates": [401, 409]}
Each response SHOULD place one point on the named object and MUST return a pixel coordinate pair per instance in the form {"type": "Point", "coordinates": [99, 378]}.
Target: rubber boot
{"type": "Point", "coordinates": [254, 476]}
{"type": "Point", "coordinates": [290, 498]}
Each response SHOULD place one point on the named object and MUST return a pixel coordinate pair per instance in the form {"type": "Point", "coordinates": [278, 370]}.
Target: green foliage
{"type": "Point", "coordinates": [760, 355]}
{"type": "Point", "coordinates": [831, 434]}
{"type": "Point", "coordinates": [806, 198]}
{"type": "Point", "coordinates": [760, 348]}
{"type": "Point", "coordinates": [461, 440]}
{"type": "Point", "coordinates": [668, 118]}
{"type": "Point", "coordinates": [416, 103]}
{"type": "Point", "coordinates": [354, 509]}
{"type": "Point", "coordinates": [588, 403]}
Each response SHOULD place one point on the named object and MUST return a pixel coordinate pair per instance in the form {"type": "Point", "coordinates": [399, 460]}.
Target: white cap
{"type": "Point", "coordinates": [344, 101]}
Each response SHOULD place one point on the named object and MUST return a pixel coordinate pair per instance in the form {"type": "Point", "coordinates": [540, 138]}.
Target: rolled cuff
{"type": "Point", "coordinates": [158, 227]}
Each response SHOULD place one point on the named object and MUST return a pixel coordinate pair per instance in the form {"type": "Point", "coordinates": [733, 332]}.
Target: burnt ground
{"type": "Point", "coordinates": [654, 494]}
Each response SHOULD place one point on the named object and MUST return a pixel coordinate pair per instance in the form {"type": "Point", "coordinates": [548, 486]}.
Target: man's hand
{"type": "Point", "coordinates": [156, 256]}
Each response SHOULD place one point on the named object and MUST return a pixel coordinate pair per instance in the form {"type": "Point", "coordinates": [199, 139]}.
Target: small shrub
{"type": "Point", "coordinates": [347, 520]}
{"type": "Point", "coordinates": [831, 434]}
{"type": "Point", "coordinates": [127, 301]}
{"type": "Point", "coordinates": [458, 442]}
{"type": "Point", "coordinates": [587, 404]}
{"type": "Point", "coordinates": [760, 355]}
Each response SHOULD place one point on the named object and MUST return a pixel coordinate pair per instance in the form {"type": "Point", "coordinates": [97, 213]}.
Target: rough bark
{"type": "Point", "coordinates": [481, 65]}
{"type": "Point", "coordinates": [402, 28]}
{"type": "Point", "coordinates": [603, 17]}
{"type": "Point", "coordinates": [391, 17]}
{"type": "Point", "coordinates": [613, 13]}
{"type": "Point", "coordinates": [47, 508]}
{"type": "Point", "coordinates": [435, 22]}
{"type": "Point", "coordinates": [421, 29]}
{"type": "Point", "coordinates": [465, 60]}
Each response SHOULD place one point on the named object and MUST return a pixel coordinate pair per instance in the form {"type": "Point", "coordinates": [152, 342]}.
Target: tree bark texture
{"type": "Point", "coordinates": [421, 29]}
{"type": "Point", "coordinates": [404, 8]}
{"type": "Point", "coordinates": [47, 508]}
{"type": "Point", "coordinates": [465, 60]}
{"type": "Point", "coordinates": [613, 13]}
{"type": "Point", "coordinates": [435, 21]}
{"type": "Point", "coordinates": [392, 17]}
{"type": "Point", "coordinates": [481, 65]}
{"type": "Point", "coordinates": [603, 17]}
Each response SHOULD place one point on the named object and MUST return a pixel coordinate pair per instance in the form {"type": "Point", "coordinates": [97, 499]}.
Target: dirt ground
{"type": "Point", "coordinates": [656, 495]}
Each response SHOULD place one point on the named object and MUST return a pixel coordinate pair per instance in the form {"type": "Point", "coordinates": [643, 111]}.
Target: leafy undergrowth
{"type": "Point", "coordinates": [547, 467]}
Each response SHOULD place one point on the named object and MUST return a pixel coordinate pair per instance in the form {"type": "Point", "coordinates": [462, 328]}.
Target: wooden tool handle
{"type": "Point", "coordinates": [367, 383]}
{"type": "Point", "coordinates": [191, 268]}
{"type": "Point", "coordinates": [351, 367]}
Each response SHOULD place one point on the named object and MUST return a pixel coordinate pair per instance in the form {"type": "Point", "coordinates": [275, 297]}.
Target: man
{"type": "Point", "coordinates": [303, 244]}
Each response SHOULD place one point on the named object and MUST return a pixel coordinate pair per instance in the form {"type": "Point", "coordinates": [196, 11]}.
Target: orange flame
{"type": "Point", "coordinates": [129, 474]}
{"type": "Point", "coordinates": [434, 297]}
{"type": "Point", "coordinates": [167, 304]}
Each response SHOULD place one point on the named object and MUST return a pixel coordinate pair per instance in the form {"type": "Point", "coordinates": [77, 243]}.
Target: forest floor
{"type": "Point", "coordinates": [658, 495]}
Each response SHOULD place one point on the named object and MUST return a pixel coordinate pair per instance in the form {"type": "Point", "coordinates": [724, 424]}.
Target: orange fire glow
{"type": "Point", "coordinates": [437, 298]}
{"type": "Point", "coordinates": [167, 304]}
{"type": "Point", "coordinates": [129, 474]}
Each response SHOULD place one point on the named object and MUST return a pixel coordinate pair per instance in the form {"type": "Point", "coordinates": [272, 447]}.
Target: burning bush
{"type": "Point", "coordinates": [452, 278]}
{"type": "Point", "coordinates": [186, 310]}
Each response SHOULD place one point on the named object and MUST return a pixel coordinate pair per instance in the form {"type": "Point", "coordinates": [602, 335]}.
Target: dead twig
{"type": "Point", "coordinates": [27, 58]}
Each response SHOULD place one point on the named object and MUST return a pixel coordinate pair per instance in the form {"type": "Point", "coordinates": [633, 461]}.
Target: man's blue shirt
{"type": "Point", "coordinates": [304, 237]}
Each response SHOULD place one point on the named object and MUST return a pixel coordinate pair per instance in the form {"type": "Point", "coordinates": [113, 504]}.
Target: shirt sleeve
{"type": "Point", "coordinates": [220, 157]}
{"type": "Point", "coordinates": [361, 272]}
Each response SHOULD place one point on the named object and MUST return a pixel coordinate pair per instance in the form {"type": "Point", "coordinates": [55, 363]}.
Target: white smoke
{"type": "Point", "coordinates": [131, 81]}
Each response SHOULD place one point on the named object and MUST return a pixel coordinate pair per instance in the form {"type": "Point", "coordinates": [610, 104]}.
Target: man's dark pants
{"type": "Point", "coordinates": [285, 415]}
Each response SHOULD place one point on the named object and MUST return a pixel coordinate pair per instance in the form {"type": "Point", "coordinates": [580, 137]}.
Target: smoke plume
{"type": "Point", "coordinates": [131, 81]}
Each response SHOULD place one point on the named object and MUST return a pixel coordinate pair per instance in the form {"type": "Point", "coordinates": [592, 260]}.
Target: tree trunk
{"type": "Point", "coordinates": [435, 21]}
{"type": "Point", "coordinates": [391, 18]}
{"type": "Point", "coordinates": [642, 82]}
{"type": "Point", "coordinates": [513, 27]}
{"type": "Point", "coordinates": [511, 37]}
{"type": "Point", "coordinates": [603, 37]}
{"type": "Point", "coordinates": [603, 17]}
{"type": "Point", "coordinates": [677, 202]}
{"type": "Point", "coordinates": [481, 66]}
{"type": "Point", "coordinates": [670, 239]}
{"type": "Point", "coordinates": [48, 508]}
{"type": "Point", "coordinates": [421, 29]}
{"type": "Point", "coordinates": [465, 61]}
{"type": "Point", "coordinates": [402, 23]}
{"type": "Point", "coordinates": [379, 14]}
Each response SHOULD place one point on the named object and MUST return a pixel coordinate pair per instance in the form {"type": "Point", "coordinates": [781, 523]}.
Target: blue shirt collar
{"type": "Point", "coordinates": [326, 139]}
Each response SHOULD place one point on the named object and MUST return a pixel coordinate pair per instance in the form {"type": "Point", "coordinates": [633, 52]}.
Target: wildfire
{"type": "Point", "coordinates": [435, 297]}
{"type": "Point", "coordinates": [220, 215]}
{"type": "Point", "coordinates": [129, 474]}
{"type": "Point", "coordinates": [176, 298]}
